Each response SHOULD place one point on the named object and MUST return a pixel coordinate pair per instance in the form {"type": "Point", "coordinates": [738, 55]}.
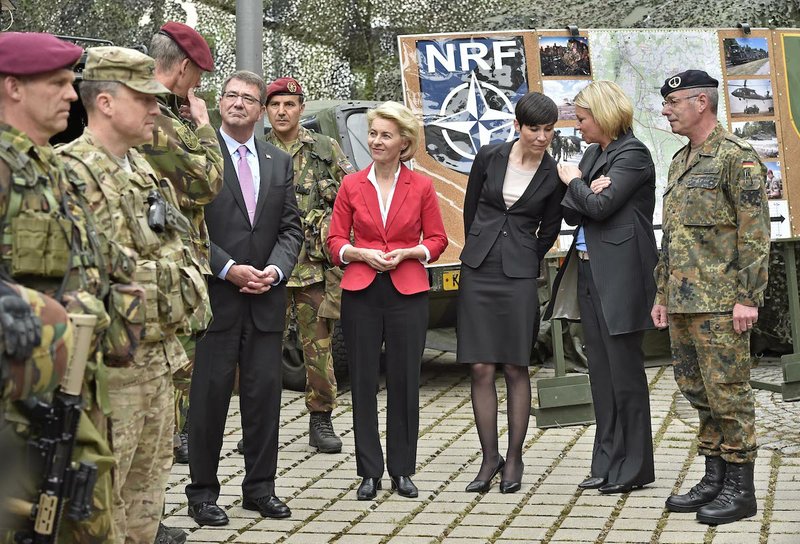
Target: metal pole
{"type": "Point", "coordinates": [249, 35]}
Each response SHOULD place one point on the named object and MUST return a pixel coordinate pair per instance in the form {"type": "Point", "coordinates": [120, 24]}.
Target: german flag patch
{"type": "Point", "coordinates": [748, 164]}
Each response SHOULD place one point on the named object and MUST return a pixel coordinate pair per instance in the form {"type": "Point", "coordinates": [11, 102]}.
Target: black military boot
{"type": "Point", "coordinates": [170, 535]}
{"type": "Point", "coordinates": [321, 434]}
{"type": "Point", "coordinates": [704, 492]}
{"type": "Point", "coordinates": [736, 501]}
{"type": "Point", "coordinates": [181, 450]}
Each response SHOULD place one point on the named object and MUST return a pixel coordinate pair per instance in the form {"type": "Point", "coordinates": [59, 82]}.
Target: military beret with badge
{"type": "Point", "coordinates": [284, 85]}
{"type": "Point", "coordinates": [690, 79]}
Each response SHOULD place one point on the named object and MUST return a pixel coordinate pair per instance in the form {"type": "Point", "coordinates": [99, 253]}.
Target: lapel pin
{"type": "Point", "coordinates": [268, 155]}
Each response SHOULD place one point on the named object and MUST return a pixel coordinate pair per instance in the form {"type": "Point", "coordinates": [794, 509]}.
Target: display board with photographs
{"type": "Point", "coordinates": [566, 68]}
{"type": "Point", "coordinates": [750, 93]}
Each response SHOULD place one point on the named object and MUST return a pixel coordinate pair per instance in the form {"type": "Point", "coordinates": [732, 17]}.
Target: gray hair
{"type": "Point", "coordinates": [713, 96]}
{"type": "Point", "coordinates": [90, 90]}
{"type": "Point", "coordinates": [251, 78]}
{"type": "Point", "coordinates": [166, 52]}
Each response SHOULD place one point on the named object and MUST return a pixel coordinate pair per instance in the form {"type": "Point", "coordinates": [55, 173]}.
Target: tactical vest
{"type": "Point", "coordinates": [157, 286]}
{"type": "Point", "coordinates": [46, 240]}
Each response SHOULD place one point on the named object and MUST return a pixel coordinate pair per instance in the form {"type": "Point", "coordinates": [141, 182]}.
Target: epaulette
{"type": "Point", "coordinates": [323, 148]}
{"type": "Point", "coordinates": [744, 144]}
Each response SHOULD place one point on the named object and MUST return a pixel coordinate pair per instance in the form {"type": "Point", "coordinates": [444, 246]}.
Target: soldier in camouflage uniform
{"type": "Point", "coordinates": [319, 166]}
{"type": "Point", "coordinates": [47, 239]}
{"type": "Point", "coordinates": [710, 279]}
{"type": "Point", "coordinates": [185, 150]}
{"type": "Point", "coordinates": [157, 285]}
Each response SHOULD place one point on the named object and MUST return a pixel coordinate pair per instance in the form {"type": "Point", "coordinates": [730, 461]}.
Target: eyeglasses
{"type": "Point", "coordinates": [672, 102]}
{"type": "Point", "coordinates": [246, 98]}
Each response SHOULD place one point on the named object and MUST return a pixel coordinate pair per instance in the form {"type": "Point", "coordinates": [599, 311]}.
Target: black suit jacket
{"type": "Point", "coordinates": [274, 238]}
{"type": "Point", "coordinates": [531, 224]}
{"type": "Point", "coordinates": [618, 226]}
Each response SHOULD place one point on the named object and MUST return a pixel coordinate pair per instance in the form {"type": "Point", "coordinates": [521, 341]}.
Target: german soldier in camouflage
{"type": "Point", "coordinates": [314, 294]}
{"type": "Point", "coordinates": [47, 238]}
{"type": "Point", "coordinates": [710, 280]}
{"type": "Point", "coordinates": [157, 284]}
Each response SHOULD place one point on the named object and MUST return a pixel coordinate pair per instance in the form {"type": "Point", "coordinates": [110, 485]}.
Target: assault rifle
{"type": "Point", "coordinates": [55, 426]}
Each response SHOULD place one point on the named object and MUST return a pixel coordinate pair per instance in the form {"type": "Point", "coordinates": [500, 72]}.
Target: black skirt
{"type": "Point", "coordinates": [498, 316]}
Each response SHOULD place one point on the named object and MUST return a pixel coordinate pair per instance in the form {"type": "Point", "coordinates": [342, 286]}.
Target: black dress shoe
{"type": "Point", "coordinates": [208, 513]}
{"type": "Point", "coordinates": [404, 486]}
{"type": "Point", "coordinates": [482, 486]}
{"type": "Point", "coordinates": [368, 489]}
{"type": "Point", "coordinates": [507, 486]}
{"type": "Point", "coordinates": [592, 482]}
{"type": "Point", "coordinates": [240, 446]}
{"type": "Point", "coordinates": [610, 489]}
{"type": "Point", "coordinates": [269, 506]}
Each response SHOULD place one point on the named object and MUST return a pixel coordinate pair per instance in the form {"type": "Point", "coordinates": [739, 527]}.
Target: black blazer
{"type": "Point", "coordinates": [618, 226]}
{"type": "Point", "coordinates": [274, 238]}
{"type": "Point", "coordinates": [531, 225]}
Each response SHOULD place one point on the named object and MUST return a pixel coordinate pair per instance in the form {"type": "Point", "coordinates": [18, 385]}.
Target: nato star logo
{"type": "Point", "coordinates": [478, 119]}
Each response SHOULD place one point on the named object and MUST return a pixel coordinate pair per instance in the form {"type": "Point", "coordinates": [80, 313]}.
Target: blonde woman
{"type": "Point", "coordinates": [610, 197]}
{"type": "Point", "coordinates": [393, 214]}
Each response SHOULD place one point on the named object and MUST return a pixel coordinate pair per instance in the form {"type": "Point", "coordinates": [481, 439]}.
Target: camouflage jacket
{"type": "Point", "coordinates": [191, 159]}
{"type": "Point", "coordinates": [715, 244]}
{"type": "Point", "coordinates": [157, 285]}
{"type": "Point", "coordinates": [319, 167]}
{"type": "Point", "coordinates": [48, 241]}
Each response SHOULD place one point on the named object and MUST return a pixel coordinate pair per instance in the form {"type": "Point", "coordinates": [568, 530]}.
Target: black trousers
{"type": "Point", "coordinates": [258, 355]}
{"type": "Point", "coordinates": [371, 317]}
{"type": "Point", "coordinates": [623, 441]}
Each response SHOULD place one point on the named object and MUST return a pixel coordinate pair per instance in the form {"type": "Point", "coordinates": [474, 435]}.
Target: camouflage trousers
{"type": "Point", "coordinates": [141, 427]}
{"type": "Point", "coordinates": [315, 336]}
{"type": "Point", "coordinates": [182, 380]}
{"type": "Point", "coordinates": [712, 368]}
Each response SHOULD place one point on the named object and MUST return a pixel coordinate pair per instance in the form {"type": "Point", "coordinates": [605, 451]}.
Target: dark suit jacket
{"type": "Point", "coordinates": [414, 218]}
{"type": "Point", "coordinates": [618, 226]}
{"type": "Point", "coordinates": [274, 238]}
{"type": "Point", "coordinates": [531, 225]}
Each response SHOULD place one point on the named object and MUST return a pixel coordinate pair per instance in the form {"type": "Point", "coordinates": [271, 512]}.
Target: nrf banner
{"type": "Point", "coordinates": [468, 88]}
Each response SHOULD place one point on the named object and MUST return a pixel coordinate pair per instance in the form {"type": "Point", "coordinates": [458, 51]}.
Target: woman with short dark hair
{"type": "Point", "coordinates": [512, 216]}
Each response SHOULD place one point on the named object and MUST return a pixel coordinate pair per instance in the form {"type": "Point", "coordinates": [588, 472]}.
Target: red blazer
{"type": "Point", "coordinates": [414, 218]}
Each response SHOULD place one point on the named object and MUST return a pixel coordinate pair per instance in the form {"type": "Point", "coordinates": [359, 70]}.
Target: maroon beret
{"type": "Point", "coordinates": [29, 53]}
{"type": "Point", "coordinates": [191, 42]}
{"type": "Point", "coordinates": [284, 85]}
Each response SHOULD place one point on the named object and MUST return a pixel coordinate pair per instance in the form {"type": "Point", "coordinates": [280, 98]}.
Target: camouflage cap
{"type": "Point", "coordinates": [127, 66]}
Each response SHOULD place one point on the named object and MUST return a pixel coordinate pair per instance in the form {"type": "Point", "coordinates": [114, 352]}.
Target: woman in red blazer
{"type": "Point", "coordinates": [393, 215]}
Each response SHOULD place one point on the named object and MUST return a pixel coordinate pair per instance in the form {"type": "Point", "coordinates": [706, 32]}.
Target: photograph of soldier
{"type": "Point", "coordinates": [750, 97]}
{"type": "Point", "coordinates": [710, 282]}
{"type": "Point", "coordinates": [746, 56]}
{"type": "Point", "coordinates": [314, 294]}
{"type": "Point", "coordinates": [567, 145]}
{"type": "Point", "coordinates": [155, 284]}
{"type": "Point", "coordinates": [759, 134]}
{"type": "Point", "coordinates": [774, 180]}
{"type": "Point", "coordinates": [564, 56]}
{"type": "Point", "coordinates": [562, 91]}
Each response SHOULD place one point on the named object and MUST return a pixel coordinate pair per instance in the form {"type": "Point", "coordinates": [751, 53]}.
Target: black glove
{"type": "Point", "coordinates": [21, 330]}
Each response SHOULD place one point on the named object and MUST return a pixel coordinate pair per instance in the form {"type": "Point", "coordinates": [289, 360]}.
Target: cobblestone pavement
{"type": "Point", "coordinates": [320, 488]}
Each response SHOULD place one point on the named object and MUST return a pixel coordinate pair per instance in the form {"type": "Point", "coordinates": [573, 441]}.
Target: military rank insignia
{"type": "Point", "coordinates": [188, 137]}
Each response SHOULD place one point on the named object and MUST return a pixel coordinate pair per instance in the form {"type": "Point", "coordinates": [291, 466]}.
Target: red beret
{"type": "Point", "coordinates": [191, 42]}
{"type": "Point", "coordinates": [284, 85]}
{"type": "Point", "coordinates": [29, 53]}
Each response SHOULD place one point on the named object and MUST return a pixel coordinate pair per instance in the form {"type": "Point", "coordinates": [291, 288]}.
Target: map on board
{"type": "Point", "coordinates": [639, 61]}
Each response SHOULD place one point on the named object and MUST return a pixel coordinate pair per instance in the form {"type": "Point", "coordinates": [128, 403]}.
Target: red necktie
{"type": "Point", "coordinates": [246, 183]}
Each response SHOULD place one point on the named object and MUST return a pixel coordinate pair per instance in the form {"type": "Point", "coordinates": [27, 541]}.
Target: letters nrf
{"type": "Point", "coordinates": [467, 51]}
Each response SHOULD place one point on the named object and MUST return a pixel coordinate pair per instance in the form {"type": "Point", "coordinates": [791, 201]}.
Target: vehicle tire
{"type": "Point", "coordinates": [294, 368]}
{"type": "Point", "coordinates": [339, 352]}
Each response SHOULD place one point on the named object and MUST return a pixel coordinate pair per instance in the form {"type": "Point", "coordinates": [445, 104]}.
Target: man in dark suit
{"type": "Point", "coordinates": [255, 233]}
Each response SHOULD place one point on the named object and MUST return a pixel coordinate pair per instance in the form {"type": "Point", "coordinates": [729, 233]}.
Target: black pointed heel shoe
{"type": "Point", "coordinates": [368, 489]}
{"type": "Point", "coordinates": [482, 486]}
